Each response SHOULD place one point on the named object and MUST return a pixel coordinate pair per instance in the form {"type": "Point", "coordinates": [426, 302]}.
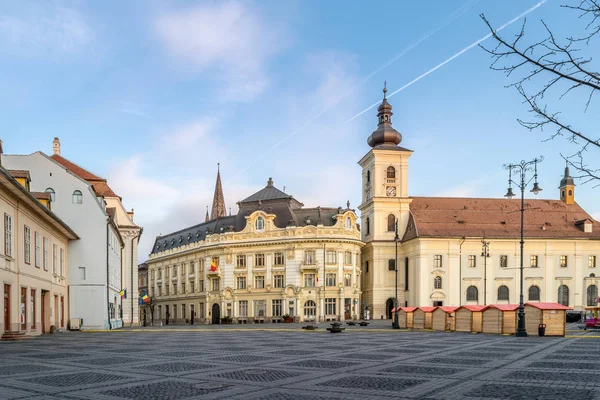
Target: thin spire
{"type": "Point", "coordinates": [218, 206]}
{"type": "Point", "coordinates": [207, 218]}
{"type": "Point", "coordinates": [384, 90]}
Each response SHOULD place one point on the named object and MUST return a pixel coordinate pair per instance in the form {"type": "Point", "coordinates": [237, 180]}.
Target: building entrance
{"type": "Point", "coordinates": [6, 307]}
{"type": "Point", "coordinates": [389, 305]}
{"type": "Point", "coordinates": [216, 314]}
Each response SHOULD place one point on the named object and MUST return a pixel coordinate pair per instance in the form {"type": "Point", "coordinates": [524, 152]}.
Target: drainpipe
{"type": "Point", "coordinates": [108, 273]}
{"type": "Point", "coordinates": [460, 271]}
{"type": "Point", "coordinates": [131, 293]}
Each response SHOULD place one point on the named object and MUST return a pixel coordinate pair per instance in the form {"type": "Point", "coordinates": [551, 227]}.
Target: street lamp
{"type": "Point", "coordinates": [521, 169]}
{"type": "Point", "coordinates": [485, 253]}
{"type": "Point", "coordinates": [396, 325]}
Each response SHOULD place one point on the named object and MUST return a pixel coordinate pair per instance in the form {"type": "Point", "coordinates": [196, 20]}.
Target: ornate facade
{"type": "Point", "coordinates": [272, 259]}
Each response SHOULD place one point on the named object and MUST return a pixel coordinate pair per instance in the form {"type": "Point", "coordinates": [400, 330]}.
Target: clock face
{"type": "Point", "coordinates": [391, 191]}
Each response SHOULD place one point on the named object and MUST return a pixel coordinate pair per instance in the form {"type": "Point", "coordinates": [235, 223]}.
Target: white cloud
{"type": "Point", "coordinates": [230, 39]}
{"type": "Point", "coordinates": [46, 30]}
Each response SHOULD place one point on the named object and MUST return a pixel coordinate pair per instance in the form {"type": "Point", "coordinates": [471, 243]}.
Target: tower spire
{"type": "Point", "coordinates": [207, 218]}
{"type": "Point", "coordinates": [218, 205]}
{"type": "Point", "coordinates": [385, 134]}
{"type": "Point", "coordinates": [567, 187]}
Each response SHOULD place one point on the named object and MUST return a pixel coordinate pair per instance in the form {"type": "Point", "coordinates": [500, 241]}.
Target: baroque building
{"type": "Point", "coordinates": [457, 251]}
{"type": "Point", "coordinates": [272, 259]}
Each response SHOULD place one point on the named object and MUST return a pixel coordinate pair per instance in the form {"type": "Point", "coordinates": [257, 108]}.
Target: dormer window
{"type": "Point", "coordinates": [52, 194]}
{"type": "Point", "coordinates": [260, 224]}
{"type": "Point", "coordinates": [77, 197]}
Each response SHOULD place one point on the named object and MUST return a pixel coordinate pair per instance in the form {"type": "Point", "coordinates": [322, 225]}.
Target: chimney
{"type": "Point", "coordinates": [56, 147]}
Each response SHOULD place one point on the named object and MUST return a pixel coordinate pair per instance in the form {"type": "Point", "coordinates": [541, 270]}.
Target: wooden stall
{"type": "Point", "coordinates": [443, 318]}
{"type": "Point", "coordinates": [422, 317]}
{"type": "Point", "coordinates": [405, 317]}
{"type": "Point", "coordinates": [500, 318]}
{"type": "Point", "coordinates": [553, 315]}
{"type": "Point", "coordinates": [469, 318]}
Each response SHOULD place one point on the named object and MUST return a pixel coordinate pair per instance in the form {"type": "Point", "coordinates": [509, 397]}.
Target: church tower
{"type": "Point", "coordinates": [218, 205]}
{"type": "Point", "coordinates": [567, 187]}
{"type": "Point", "coordinates": [385, 205]}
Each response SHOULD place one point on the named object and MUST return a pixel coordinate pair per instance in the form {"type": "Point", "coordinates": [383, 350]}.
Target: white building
{"type": "Point", "coordinates": [95, 261]}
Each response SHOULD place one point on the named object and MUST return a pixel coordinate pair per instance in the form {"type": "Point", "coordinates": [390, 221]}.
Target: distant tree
{"type": "Point", "coordinates": [553, 68]}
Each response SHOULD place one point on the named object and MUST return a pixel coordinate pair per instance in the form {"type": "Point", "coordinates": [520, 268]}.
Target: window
{"type": "Point", "coordinates": [391, 172]}
{"type": "Point", "coordinates": [215, 284]}
{"type": "Point", "coordinates": [348, 223]}
{"type": "Point", "coordinates": [592, 262]}
{"type": "Point", "coordinates": [77, 197]}
{"type": "Point", "coordinates": [347, 279]}
{"type": "Point", "coordinates": [278, 281]}
{"type": "Point", "coordinates": [503, 293]}
{"type": "Point", "coordinates": [437, 261]}
{"type": "Point", "coordinates": [368, 176]}
{"type": "Point", "coordinates": [243, 308]}
{"type": "Point", "coordinates": [472, 293]}
{"type": "Point", "coordinates": [563, 295]}
{"type": "Point", "coordinates": [503, 261]}
{"type": "Point", "coordinates": [37, 250]}
{"type": "Point", "coordinates": [175, 289]}
{"type": "Point", "coordinates": [240, 261]}
{"type": "Point", "coordinates": [46, 260]}
{"type": "Point", "coordinates": [366, 267]}
{"type": "Point", "coordinates": [309, 257]}
{"type": "Point", "coordinates": [534, 293]}
{"type": "Point", "coordinates": [183, 288]}
{"type": "Point", "coordinates": [309, 280]}
{"type": "Point", "coordinates": [259, 282]}
{"type": "Point", "coordinates": [331, 256]}
{"type": "Point", "coordinates": [276, 308]}
{"type": "Point", "coordinates": [192, 267]}
{"type": "Point", "coordinates": [260, 223]}
{"type": "Point", "coordinates": [348, 258]}
{"type": "Point", "coordinates": [563, 261]}
{"type": "Point", "coordinates": [310, 308]}
{"type": "Point", "coordinates": [52, 194]}
{"type": "Point", "coordinates": [533, 261]}
{"type": "Point", "coordinates": [27, 244]}
{"type": "Point", "coordinates": [330, 306]}
{"type": "Point", "coordinates": [23, 308]}
{"type": "Point", "coordinates": [472, 261]}
{"type": "Point", "coordinates": [260, 308]}
{"type": "Point", "coordinates": [8, 235]}
{"type": "Point", "coordinates": [192, 287]}
{"type": "Point", "coordinates": [183, 311]}
{"type": "Point", "coordinates": [391, 223]}
{"type": "Point", "coordinates": [54, 259]}
{"type": "Point", "coordinates": [241, 282]}
{"type": "Point", "coordinates": [259, 260]}
{"type": "Point", "coordinates": [82, 273]}
{"type": "Point", "coordinates": [62, 262]}
{"type": "Point", "coordinates": [391, 265]}
{"type": "Point", "coordinates": [32, 308]}
{"type": "Point", "coordinates": [167, 287]}
{"type": "Point", "coordinates": [368, 226]}
{"type": "Point", "coordinates": [437, 282]}
{"type": "Point", "coordinates": [406, 273]}
{"type": "Point", "coordinates": [278, 259]}
{"type": "Point", "coordinates": [330, 279]}
{"type": "Point", "coordinates": [592, 295]}
{"type": "Point", "coordinates": [201, 285]}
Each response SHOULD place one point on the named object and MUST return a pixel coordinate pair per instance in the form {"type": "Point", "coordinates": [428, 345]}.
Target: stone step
{"type": "Point", "coordinates": [13, 335]}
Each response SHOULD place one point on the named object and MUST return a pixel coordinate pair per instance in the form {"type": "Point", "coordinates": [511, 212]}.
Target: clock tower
{"type": "Point", "coordinates": [385, 205]}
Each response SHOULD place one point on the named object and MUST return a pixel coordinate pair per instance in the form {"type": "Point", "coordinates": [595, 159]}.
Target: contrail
{"type": "Point", "coordinates": [440, 65]}
{"type": "Point", "coordinates": [455, 15]}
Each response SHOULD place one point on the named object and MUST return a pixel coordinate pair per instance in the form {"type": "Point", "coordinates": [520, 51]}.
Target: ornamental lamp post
{"type": "Point", "coordinates": [395, 324]}
{"type": "Point", "coordinates": [485, 253]}
{"type": "Point", "coordinates": [522, 168]}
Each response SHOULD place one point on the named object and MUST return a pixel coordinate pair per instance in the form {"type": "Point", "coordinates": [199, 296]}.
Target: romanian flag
{"type": "Point", "coordinates": [213, 265]}
{"type": "Point", "coordinates": [123, 293]}
{"type": "Point", "coordinates": [145, 298]}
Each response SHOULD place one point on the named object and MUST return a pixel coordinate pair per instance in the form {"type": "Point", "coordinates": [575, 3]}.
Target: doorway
{"type": "Point", "coordinates": [389, 305]}
{"type": "Point", "coordinates": [216, 314]}
{"type": "Point", "coordinates": [192, 314]}
{"type": "Point", "coordinates": [6, 307]}
{"type": "Point", "coordinates": [43, 308]}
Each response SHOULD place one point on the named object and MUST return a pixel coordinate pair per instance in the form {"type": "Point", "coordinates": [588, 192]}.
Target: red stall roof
{"type": "Point", "coordinates": [505, 307]}
{"type": "Point", "coordinates": [408, 309]}
{"type": "Point", "coordinates": [548, 306]}
{"type": "Point", "coordinates": [427, 309]}
{"type": "Point", "coordinates": [449, 309]}
{"type": "Point", "coordinates": [474, 307]}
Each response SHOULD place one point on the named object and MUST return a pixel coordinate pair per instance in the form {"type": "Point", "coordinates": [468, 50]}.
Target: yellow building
{"type": "Point", "coordinates": [441, 257]}
{"type": "Point", "coordinates": [272, 259]}
{"type": "Point", "coordinates": [33, 276]}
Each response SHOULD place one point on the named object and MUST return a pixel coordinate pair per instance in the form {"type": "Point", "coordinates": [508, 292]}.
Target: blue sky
{"type": "Point", "coordinates": [153, 94]}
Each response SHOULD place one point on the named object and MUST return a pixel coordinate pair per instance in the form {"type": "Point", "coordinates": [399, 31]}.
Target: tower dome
{"type": "Point", "coordinates": [385, 134]}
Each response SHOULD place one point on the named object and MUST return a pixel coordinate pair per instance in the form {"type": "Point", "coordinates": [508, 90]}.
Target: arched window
{"type": "Point", "coordinates": [52, 194]}
{"type": "Point", "coordinates": [368, 227]}
{"type": "Point", "coordinates": [391, 173]}
{"type": "Point", "coordinates": [77, 197]}
{"type": "Point", "coordinates": [562, 194]}
{"type": "Point", "coordinates": [391, 223]}
{"type": "Point", "coordinates": [368, 176]}
{"type": "Point", "coordinates": [502, 293]}
{"type": "Point", "coordinates": [592, 295]}
{"type": "Point", "coordinates": [260, 224]}
{"type": "Point", "coordinates": [406, 273]}
{"type": "Point", "coordinates": [570, 192]}
{"type": "Point", "coordinates": [348, 223]}
{"type": "Point", "coordinates": [472, 293]}
{"type": "Point", "coordinates": [437, 282]}
{"type": "Point", "coordinates": [563, 295]}
{"type": "Point", "coordinates": [310, 308]}
{"type": "Point", "coordinates": [534, 293]}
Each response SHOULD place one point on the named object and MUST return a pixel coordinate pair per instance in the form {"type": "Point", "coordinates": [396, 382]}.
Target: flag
{"type": "Point", "coordinates": [123, 293]}
{"type": "Point", "coordinates": [145, 298]}
{"type": "Point", "coordinates": [213, 265]}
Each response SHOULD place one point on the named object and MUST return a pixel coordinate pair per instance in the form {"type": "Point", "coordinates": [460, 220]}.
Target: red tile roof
{"type": "Point", "coordinates": [427, 309]}
{"type": "Point", "coordinates": [19, 173]}
{"type": "Point", "coordinates": [41, 195]}
{"type": "Point", "coordinates": [448, 309]}
{"type": "Point", "coordinates": [475, 308]}
{"type": "Point", "coordinates": [495, 218]}
{"type": "Point", "coordinates": [548, 306]}
{"type": "Point", "coordinates": [99, 184]}
{"type": "Point", "coordinates": [408, 309]}
{"type": "Point", "coordinates": [504, 307]}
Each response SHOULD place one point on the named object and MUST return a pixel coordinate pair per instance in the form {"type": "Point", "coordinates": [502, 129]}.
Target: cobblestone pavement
{"type": "Point", "coordinates": [267, 364]}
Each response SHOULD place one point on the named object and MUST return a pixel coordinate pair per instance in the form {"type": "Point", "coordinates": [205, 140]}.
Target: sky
{"type": "Point", "coordinates": [153, 94]}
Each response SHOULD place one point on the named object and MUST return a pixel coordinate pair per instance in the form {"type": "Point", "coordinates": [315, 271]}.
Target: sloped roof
{"type": "Point", "coordinates": [408, 309]}
{"type": "Point", "coordinates": [548, 306]}
{"type": "Point", "coordinates": [475, 308]}
{"type": "Point", "coordinates": [266, 193]}
{"type": "Point", "coordinates": [100, 185]}
{"type": "Point", "coordinates": [448, 309]}
{"type": "Point", "coordinates": [504, 307]}
{"type": "Point", "coordinates": [496, 218]}
{"type": "Point", "coordinates": [427, 308]}
{"type": "Point", "coordinates": [19, 173]}
{"type": "Point", "coordinates": [41, 195]}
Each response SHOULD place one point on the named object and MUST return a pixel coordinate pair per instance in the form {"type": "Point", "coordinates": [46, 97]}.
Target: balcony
{"type": "Point", "coordinates": [216, 272]}
{"type": "Point", "coordinates": [308, 265]}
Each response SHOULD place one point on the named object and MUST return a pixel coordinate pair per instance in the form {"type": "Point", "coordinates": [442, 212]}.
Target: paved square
{"type": "Point", "coordinates": [229, 363]}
